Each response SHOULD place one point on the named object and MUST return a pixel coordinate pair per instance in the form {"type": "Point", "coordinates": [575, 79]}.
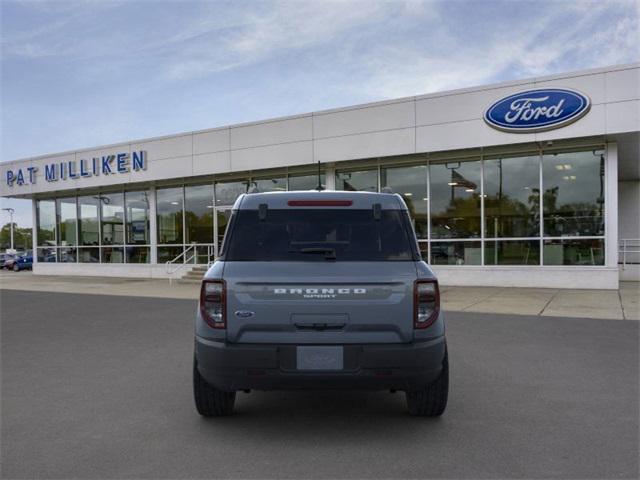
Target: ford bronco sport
{"type": "Point", "coordinates": [320, 290]}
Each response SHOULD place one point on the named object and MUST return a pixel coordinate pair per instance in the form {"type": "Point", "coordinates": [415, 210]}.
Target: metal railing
{"type": "Point", "coordinates": [628, 247]}
{"type": "Point", "coordinates": [188, 256]}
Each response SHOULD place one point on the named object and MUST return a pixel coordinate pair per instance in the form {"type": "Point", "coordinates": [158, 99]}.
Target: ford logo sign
{"type": "Point", "coordinates": [244, 313]}
{"type": "Point", "coordinates": [537, 110]}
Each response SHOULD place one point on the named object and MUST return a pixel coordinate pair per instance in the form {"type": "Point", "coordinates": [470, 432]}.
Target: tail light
{"type": "Point", "coordinates": [426, 303]}
{"type": "Point", "coordinates": [213, 303]}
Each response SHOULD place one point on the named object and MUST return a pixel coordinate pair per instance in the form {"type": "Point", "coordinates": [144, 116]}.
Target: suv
{"type": "Point", "coordinates": [320, 290]}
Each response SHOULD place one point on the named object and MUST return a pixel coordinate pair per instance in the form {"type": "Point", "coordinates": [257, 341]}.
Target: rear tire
{"type": "Point", "coordinates": [211, 402]}
{"type": "Point", "coordinates": [16, 268]}
{"type": "Point", "coordinates": [431, 401]}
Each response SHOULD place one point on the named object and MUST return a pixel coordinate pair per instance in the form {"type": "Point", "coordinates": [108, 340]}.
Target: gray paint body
{"type": "Point", "coordinates": [278, 303]}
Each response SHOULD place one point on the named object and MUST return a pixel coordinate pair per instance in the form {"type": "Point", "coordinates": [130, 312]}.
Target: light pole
{"type": "Point", "coordinates": [11, 212]}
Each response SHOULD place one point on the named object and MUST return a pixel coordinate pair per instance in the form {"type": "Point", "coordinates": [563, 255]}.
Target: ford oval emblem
{"type": "Point", "coordinates": [244, 313]}
{"type": "Point", "coordinates": [537, 110]}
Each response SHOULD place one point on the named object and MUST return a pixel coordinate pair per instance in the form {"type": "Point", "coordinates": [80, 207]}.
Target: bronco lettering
{"type": "Point", "coordinates": [322, 291]}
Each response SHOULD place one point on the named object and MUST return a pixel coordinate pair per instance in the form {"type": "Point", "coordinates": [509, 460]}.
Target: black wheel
{"type": "Point", "coordinates": [16, 268]}
{"type": "Point", "coordinates": [211, 402]}
{"type": "Point", "coordinates": [432, 401]}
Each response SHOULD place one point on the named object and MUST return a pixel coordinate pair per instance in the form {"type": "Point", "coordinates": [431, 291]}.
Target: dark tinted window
{"type": "Point", "coordinates": [512, 197]}
{"type": "Point", "coordinates": [573, 196]}
{"type": "Point", "coordinates": [320, 235]}
{"type": "Point", "coordinates": [455, 200]}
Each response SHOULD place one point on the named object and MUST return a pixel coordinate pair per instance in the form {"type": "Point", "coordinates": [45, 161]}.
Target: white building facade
{"type": "Point", "coordinates": [531, 183]}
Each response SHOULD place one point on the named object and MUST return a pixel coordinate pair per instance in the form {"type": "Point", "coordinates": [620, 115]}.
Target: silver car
{"type": "Point", "coordinates": [320, 290]}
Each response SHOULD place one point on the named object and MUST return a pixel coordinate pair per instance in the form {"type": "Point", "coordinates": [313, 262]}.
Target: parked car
{"type": "Point", "coordinates": [7, 263]}
{"type": "Point", "coordinates": [320, 290]}
{"type": "Point", "coordinates": [23, 262]}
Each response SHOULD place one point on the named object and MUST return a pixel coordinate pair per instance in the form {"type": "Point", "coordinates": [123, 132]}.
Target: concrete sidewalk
{"type": "Point", "coordinates": [622, 304]}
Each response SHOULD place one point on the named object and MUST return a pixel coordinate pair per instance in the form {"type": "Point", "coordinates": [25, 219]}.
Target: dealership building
{"type": "Point", "coordinates": [529, 183]}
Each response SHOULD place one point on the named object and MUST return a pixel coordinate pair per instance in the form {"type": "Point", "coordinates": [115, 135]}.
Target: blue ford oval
{"type": "Point", "coordinates": [537, 110]}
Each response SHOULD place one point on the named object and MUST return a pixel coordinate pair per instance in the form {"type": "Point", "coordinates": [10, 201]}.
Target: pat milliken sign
{"type": "Point", "coordinates": [537, 110]}
{"type": "Point", "coordinates": [115, 164]}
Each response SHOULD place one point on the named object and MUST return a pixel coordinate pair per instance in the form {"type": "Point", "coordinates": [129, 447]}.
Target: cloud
{"type": "Point", "coordinates": [286, 26]}
{"type": "Point", "coordinates": [431, 56]}
{"type": "Point", "coordinates": [526, 47]}
{"type": "Point", "coordinates": [191, 43]}
{"type": "Point", "coordinates": [403, 48]}
{"type": "Point", "coordinates": [52, 27]}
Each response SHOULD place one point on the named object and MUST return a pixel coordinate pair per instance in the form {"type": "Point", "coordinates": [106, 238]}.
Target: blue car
{"type": "Point", "coordinates": [23, 262]}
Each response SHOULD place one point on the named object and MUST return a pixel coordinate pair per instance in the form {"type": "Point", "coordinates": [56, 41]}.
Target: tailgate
{"type": "Point", "coordinates": [320, 302]}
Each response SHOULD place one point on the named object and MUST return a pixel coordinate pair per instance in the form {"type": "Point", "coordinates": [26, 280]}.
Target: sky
{"type": "Point", "coordinates": [87, 73]}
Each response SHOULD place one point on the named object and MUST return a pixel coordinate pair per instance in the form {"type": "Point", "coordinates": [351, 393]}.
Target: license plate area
{"type": "Point", "coordinates": [317, 358]}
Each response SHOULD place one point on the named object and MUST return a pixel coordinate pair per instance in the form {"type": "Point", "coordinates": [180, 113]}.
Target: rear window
{"type": "Point", "coordinates": [320, 235]}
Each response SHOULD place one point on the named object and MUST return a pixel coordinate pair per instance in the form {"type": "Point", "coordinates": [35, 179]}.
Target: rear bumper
{"type": "Point", "coordinates": [233, 367]}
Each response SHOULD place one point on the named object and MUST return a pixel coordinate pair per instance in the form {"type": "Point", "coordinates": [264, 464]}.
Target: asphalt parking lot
{"type": "Point", "coordinates": [98, 386]}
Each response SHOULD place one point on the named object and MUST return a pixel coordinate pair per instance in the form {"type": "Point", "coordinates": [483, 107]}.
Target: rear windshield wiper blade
{"type": "Point", "coordinates": [329, 253]}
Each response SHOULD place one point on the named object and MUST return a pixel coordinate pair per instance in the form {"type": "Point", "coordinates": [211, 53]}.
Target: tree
{"type": "Point", "coordinates": [21, 237]}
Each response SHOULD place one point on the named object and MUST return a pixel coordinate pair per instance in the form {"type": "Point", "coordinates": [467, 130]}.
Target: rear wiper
{"type": "Point", "coordinates": [329, 253]}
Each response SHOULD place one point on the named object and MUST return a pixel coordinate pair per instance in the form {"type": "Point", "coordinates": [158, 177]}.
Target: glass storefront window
{"type": "Point", "coordinates": [166, 254]}
{"type": "Point", "coordinates": [89, 255]}
{"type": "Point", "coordinates": [198, 213]}
{"type": "Point", "coordinates": [573, 252]}
{"type": "Point", "coordinates": [456, 253]}
{"type": "Point", "coordinates": [573, 198]}
{"type": "Point", "coordinates": [137, 218]}
{"type": "Point", "coordinates": [112, 255]}
{"type": "Point", "coordinates": [67, 255]}
{"type": "Point", "coordinates": [115, 227]}
{"type": "Point", "coordinates": [512, 252]}
{"type": "Point", "coordinates": [67, 221]}
{"type": "Point", "coordinates": [424, 251]}
{"type": "Point", "coordinates": [228, 192]}
{"type": "Point", "coordinates": [411, 183]}
{"type": "Point", "coordinates": [137, 254]}
{"type": "Point", "coordinates": [512, 197]}
{"type": "Point", "coordinates": [204, 254]}
{"type": "Point", "coordinates": [224, 215]}
{"type": "Point", "coordinates": [305, 182]}
{"type": "Point", "coordinates": [169, 208]}
{"type": "Point", "coordinates": [112, 218]}
{"type": "Point", "coordinates": [363, 180]}
{"type": "Point", "coordinates": [275, 184]}
{"type": "Point", "coordinates": [47, 254]}
{"type": "Point", "coordinates": [88, 227]}
{"type": "Point", "coordinates": [455, 200]}
{"type": "Point", "coordinates": [46, 218]}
